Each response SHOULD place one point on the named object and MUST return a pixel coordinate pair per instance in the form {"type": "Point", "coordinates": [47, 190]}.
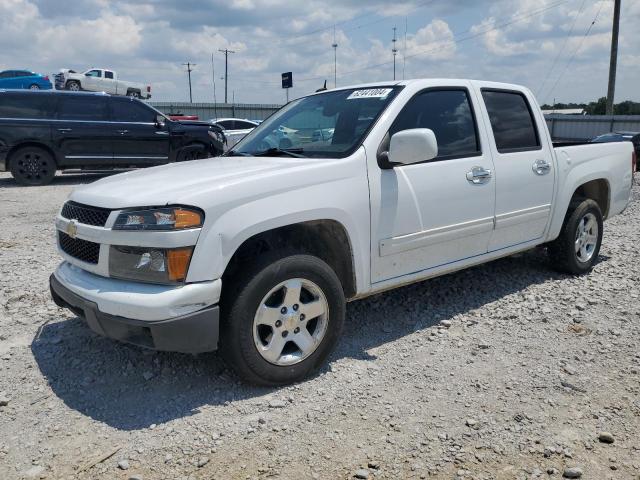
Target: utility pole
{"type": "Point", "coordinates": [394, 50]}
{"type": "Point", "coordinates": [226, 69]}
{"type": "Point", "coordinates": [614, 57]}
{"type": "Point", "coordinates": [189, 70]}
{"type": "Point", "coordinates": [335, 57]}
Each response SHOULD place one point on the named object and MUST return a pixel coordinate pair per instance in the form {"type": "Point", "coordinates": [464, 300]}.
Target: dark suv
{"type": "Point", "coordinates": [41, 132]}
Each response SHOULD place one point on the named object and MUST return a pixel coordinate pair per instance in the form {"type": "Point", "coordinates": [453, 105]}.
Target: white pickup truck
{"type": "Point", "coordinates": [257, 252]}
{"type": "Point", "coordinates": [100, 80]}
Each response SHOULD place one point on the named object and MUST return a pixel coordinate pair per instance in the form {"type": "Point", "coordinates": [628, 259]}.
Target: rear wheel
{"type": "Point", "coordinates": [73, 85]}
{"type": "Point", "coordinates": [576, 248]}
{"type": "Point", "coordinates": [192, 154]}
{"type": "Point", "coordinates": [284, 318]}
{"type": "Point", "coordinates": [32, 166]}
{"type": "Point", "coordinates": [34, 86]}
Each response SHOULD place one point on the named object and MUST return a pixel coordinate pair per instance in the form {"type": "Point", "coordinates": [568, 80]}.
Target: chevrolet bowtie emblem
{"type": "Point", "coordinates": [72, 228]}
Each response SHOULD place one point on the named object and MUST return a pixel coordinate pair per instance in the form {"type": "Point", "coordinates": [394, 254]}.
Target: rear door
{"type": "Point", "coordinates": [137, 140]}
{"type": "Point", "coordinates": [109, 83]}
{"type": "Point", "coordinates": [8, 79]}
{"type": "Point", "coordinates": [525, 171]}
{"type": "Point", "coordinates": [82, 133]}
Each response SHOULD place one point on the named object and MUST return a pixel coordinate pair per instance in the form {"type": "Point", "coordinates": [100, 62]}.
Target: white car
{"type": "Point", "coordinates": [235, 129]}
{"type": "Point", "coordinates": [256, 253]}
{"type": "Point", "coordinates": [100, 80]}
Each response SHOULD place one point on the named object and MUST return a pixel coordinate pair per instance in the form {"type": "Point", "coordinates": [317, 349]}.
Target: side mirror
{"type": "Point", "coordinates": [159, 121]}
{"type": "Point", "coordinates": [413, 146]}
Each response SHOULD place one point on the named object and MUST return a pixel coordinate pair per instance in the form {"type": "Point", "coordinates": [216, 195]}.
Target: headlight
{"type": "Point", "coordinates": [150, 264]}
{"type": "Point", "coordinates": [217, 136]}
{"type": "Point", "coordinates": [169, 218]}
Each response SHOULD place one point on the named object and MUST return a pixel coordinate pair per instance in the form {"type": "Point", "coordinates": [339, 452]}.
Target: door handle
{"type": "Point", "coordinates": [541, 167]}
{"type": "Point", "coordinates": [122, 132]}
{"type": "Point", "coordinates": [478, 175]}
{"type": "Point", "coordinates": [64, 130]}
{"type": "Point", "coordinates": [162, 133]}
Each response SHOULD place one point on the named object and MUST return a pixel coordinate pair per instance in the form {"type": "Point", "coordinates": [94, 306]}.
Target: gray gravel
{"type": "Point", "coordinates": [507, 370]}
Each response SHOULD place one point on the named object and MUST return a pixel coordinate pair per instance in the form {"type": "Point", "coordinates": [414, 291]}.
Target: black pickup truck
{"type": "Point", "coordinates": [41, 132]}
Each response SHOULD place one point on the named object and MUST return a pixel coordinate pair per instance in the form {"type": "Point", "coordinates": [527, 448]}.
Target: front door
{"type": "Point", "coordinates": [81, 132]}
{"type": "Point", "coordinates": [525, 180]}
{"type": "Point", "coordinates": [138, 141]}
{"type": "Point", "coordinates": [440, 211]}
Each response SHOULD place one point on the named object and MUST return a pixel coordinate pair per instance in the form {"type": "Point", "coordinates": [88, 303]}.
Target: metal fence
{"type": "Point", "coordinates": [205, 111]}
{"type": "Point", "coordinates": [585, 127]}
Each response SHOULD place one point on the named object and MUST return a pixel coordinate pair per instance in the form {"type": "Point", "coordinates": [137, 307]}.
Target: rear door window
{"type": "Point", "coordinates": [512, 121]}
{"type": "Point", "coordinates": [36, 106]}
{"type": "Point", "coordinates": [126, 110]}
{"type": "Point", "coordinates": [108, 74]}
{"type": "Point", "coordinates": [82, 107]}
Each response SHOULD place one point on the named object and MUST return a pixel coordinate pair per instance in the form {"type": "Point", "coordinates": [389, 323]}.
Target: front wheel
{"type": "Point", "coordinates": [133, 93]}
{"type": "Point", "coordinates": [73, 86]}
{"type": "Point", "coordinates": [576, 249]}
{"type": "Point", "coordinates": [284, 319]}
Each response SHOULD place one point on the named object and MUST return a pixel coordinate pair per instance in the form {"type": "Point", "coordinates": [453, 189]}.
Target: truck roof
{"type": "Point", "coordinates": [443, 81]}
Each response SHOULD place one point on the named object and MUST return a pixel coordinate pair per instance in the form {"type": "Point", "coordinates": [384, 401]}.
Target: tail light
{"type": "Point", "coordinates": [46, 77]}
{"type": "Point", "coordinates": [148, 88]}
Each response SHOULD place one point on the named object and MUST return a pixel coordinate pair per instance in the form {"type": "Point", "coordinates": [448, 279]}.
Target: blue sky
{"type": "Point", "coordinates": [539, 43]}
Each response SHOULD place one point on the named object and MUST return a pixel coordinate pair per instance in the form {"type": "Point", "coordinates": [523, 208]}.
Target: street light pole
{"type": "Point", "coordinates": [394, 50]}
{"type": "Point", "coordinates": [335, 57]}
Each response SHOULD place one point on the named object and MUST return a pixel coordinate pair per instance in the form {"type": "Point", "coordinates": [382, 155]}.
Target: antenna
{"type": "Point", "coordinates": [394, 50]}
{"type": "Point", "coordinates": [335, 56]}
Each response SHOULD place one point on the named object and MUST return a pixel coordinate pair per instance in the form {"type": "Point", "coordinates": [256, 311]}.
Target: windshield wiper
{"type": "Point", "coordinates": [234, 153]}
{"type": "Point", "coordinates": [275, 152]}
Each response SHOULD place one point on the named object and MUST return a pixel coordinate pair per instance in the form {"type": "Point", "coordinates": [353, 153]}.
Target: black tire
{"type": "Point", "coordinates": [34, 86]}
{"type": "Point", "coordinates": [562, 251]}
{"type": "Point", "coordinates": [192, 154]}
{"type": "Point", "coordinates": [73, 85]}
{"type": "Point", "coordinates": [32, 166]}
{"type": "Point", "coordinates": [245, 293]}
{"type": "Point", "coordinates": [133, 93]}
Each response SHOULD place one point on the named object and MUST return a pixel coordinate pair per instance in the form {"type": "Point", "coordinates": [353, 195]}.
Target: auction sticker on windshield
{"type": "Point", "coordinates": [370, 93]}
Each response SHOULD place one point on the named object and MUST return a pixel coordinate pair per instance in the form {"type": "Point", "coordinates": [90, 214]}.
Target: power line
{"type": "Point", "coordinates": [575, 52]}
{"type": "Point", "coordinates": [519, 18]}
{"type": "Point", "coordinates": [561, 51]}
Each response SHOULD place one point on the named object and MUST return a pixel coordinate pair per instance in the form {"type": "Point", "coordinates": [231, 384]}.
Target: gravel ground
{"type": "Point", "coordinates": [507, 370]}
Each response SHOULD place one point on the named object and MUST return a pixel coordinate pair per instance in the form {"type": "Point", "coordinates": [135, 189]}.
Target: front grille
{"type": "Point", "coordinates": [78, 248]}
{"type": "Point", "coordinates": [86, 214]}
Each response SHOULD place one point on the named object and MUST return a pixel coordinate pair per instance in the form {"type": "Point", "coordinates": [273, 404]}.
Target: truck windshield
{"type": "Point", "coordinates": [328, 125]}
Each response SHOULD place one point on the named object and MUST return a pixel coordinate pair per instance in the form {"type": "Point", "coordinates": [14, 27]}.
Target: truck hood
{"type": "Point", "coordinates": [208, 182]}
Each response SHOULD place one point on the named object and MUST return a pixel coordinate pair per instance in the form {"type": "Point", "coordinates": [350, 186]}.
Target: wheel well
{"type": "Point", "coordinates": [73, 81]}
{"type": "Point", "coordinates": [325, 239]}
{"type": "Point", "coordinates": [136, 90]}
{"type": "Point", "coordinates": [29, 144]}
{"type": "Point", "coordinates": [596, 190]}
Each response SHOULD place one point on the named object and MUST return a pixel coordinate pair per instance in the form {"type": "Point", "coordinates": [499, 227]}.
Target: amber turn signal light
{"type": "Point", "coordinates": [187, 218]}
{"type": "Point", "coordinates": [178, 263]}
